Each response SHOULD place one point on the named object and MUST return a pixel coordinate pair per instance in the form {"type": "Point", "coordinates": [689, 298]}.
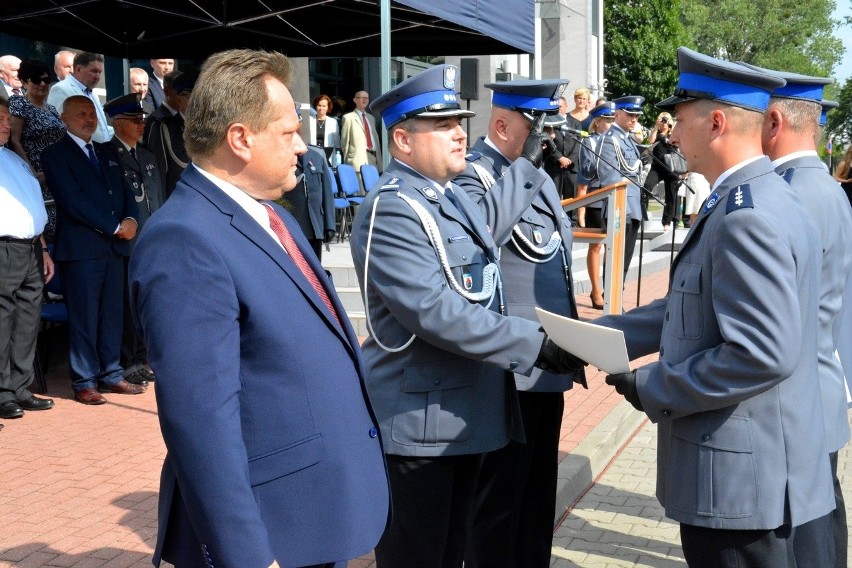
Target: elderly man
{"type": "Point", "coordinates": [63, 64]}
{"type": "Point", "coordinates": [139, 84]}
{"type": "Point", "coordinates": [742, 459]}
{"type": "Point", "coordinates": [88, 68]}
{"type": "Point", "coordinates": [359, 141]}
{"type": "Point", "coordinates": [9, 65]}
{"type": "Point", "coordinates": [274, 457]}
{"type": "Point", "coordinates": [441, 351]}
{"type": "Point", "coordinates": [26, 267]}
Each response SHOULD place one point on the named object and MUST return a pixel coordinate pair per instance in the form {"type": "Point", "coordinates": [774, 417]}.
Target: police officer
{"type": "Point", "coordinates": [620, 160]}
{"type": "Point", "coordinates": [440, 353]}
{"type": "Point", "coordinates": [516, 495]}
{"type": "Point", "coordinates": [741, 455]}
{"type": "Point", "coordinates": [144, 177]}
{"type": "Point", "coordinates": [789, 140]}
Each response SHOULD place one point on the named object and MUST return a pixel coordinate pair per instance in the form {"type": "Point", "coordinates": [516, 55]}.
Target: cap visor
{"type": "Point", "coordinates": [670, 103]}
{"type": "Point", "coordinates": [447, 112]}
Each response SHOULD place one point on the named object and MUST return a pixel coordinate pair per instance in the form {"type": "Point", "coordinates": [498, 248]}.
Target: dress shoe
{"type": "Point", "coordinates": [35, 403]}
{"type": "Point", "coordinates": [11, 409]}
{"type": "Point", "coordinates": [122, 387]}
{"type": "Point", "coordinates": [137, 378]}
{"type": "Point", "coordinates": [595, 305]}
{"type": "Point", "coordinates": [89, 396]}
{"type": "Point", "coordinates": [148, 374]}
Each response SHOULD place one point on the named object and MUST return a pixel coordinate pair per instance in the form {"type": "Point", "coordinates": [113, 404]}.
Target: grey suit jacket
{"type": "Point", "coordinates": [529, 283]}
{"type": "Point", "coordinates": [353, 140]}
{"type": "Point", "coordinates": [824, 199]}
{"type": "Point", "coordinates": [741, 436]}
{"type": "Point", "coordinates": [449, 392]}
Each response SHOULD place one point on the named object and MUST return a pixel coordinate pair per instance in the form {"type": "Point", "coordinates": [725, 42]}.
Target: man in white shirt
{"type": "Point", "coordinates": [88, 68]}
{"type": "Point", "coordinates": [27, 265]}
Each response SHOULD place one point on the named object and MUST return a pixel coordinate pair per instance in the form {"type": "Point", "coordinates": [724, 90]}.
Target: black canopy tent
{"type": "Point", "coordinates": [298, 28]}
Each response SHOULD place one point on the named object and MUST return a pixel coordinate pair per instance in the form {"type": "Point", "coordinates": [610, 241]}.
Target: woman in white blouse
{"type": "Point", "coordinates": [324, 131]}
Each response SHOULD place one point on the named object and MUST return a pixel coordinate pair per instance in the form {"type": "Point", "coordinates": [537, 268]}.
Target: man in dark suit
{"type": "Point", "coordinates": [312, 200]}
{"type": "Point", "coordinates": [166, 137]}
{"type": "Point", "coordinates": [274, 454]}
{"type": "Point", "coordinates": [159, 69]}
{"type": "Point", "coordinates": [96, 219]}
{"type": "Point", "coordinates": [146, 181]}
{"type": "Point", "coordinates": [166, 109]}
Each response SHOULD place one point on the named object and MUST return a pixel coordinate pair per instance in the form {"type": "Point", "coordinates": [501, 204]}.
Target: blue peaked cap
{"type": "Point", "coordinates": [705, 77]}
{"type": "Point", "coordinates": [429, 94]}
{"type": "Point", "coordinates": [603, 109]}
{"type": "Point", "coordinates": [827, 106]}
{"type": "Point", "coordinates": [802, 87]}
{"type": "Point", "coordinates": [631, 104]}
{"type": "Point", "coordinates": [528, 96]}
{"type": "Point", "coordinates": [125, 104]}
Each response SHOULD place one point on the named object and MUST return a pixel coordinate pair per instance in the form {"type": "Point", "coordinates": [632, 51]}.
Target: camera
{"type": "Point", "coordinates": [664, 120]}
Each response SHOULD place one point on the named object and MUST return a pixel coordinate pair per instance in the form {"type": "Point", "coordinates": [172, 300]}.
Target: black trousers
{"type": "Point", "coordinates": [721, 548]}
{"type": "Point", "coordinates": [432, 502]}
{"type": "Point", "coordinates": [516, 494]}
{"type": "Point", "coordinates": [822, 542]}
{"type": "Point", "coordinates": [631, 233]}
{"type": "Point", "coordinates": [21, 285]}
{"type": "Point", "coordinates": [133, 354]}
{"type": "Point", "coordinates": [670, 184]}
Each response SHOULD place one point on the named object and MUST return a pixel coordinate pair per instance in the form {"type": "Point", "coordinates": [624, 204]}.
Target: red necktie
{"type": "Point", "coordinates": [16, 91]}
{"type": "Point", "coordinates": [283, 234]}
{"type": "Point", "coordinates": [367, 131]}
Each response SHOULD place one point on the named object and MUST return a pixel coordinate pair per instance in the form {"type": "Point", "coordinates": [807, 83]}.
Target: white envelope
{"type": "Point", "coordinates": [600, 346]}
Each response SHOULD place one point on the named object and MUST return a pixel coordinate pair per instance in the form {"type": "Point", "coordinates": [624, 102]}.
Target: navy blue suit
{"type": "Point", "coordinates": [90, 204]}
{"type": "Point", "coordinates": [273, 448]}
{"type": "Point", "coordinates": [155, 95]}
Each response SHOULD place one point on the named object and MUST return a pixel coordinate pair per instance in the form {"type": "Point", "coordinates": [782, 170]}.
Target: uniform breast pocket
{"type": "Point", "coordinates": [712, 470]}
{"type": "Point", "coordinates": [685, 317]}
{"type": "Point", "coordinates": [466, 262]}
{"type": "Point", "coordinates": [435, 404]}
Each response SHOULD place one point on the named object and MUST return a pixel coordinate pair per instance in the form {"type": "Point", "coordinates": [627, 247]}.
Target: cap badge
{"type": "Point", "coordinates": [449, 77]}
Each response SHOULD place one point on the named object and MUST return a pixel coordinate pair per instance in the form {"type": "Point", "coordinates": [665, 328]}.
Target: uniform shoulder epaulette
{"type": "Point", "coordinates": [788, 174]}
{"type": "Point", "coordinates": [739, 198]}
{"type": "Point", "coordinates": [392, 183]}
{"type": "Point", "coordinates": [472, 156]}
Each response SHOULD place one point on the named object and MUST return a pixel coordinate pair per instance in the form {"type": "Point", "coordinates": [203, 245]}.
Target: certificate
{"type": "Point", "coordinates": [601, 346]}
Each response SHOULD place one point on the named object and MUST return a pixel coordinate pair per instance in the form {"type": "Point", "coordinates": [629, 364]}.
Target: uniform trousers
{"type": "Point", "coordinates": [94, 290]}
{"type": "Point", "coordinates": [21, 285]}
{"type": "Point", "coordinates": [133, 353]}
{"type": "Point", "coordinates": [811, 538]}
{"type": "Point", "coordinates": [432, 502]}
{"type": "Point", "coordinates": [516, 493]}
{"type": "Point", "coordinates": [720, 548]}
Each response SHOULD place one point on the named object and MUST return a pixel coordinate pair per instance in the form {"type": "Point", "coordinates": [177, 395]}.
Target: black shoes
{"type": "Point", "coordinates": [35, 403]}
{"type": "Point", "coordinates": [137, 378]}
{"type": "Point", "coordinates": [11, 409]}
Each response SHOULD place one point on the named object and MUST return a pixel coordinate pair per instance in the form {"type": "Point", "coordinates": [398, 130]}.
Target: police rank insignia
{"type": "Point", "coordinates": [450, 77]}
{"type": "Point", "coordinates": [711, 201]}
{"type": "Point", "coordinates": [739, 198]}
{"type": "Point", "coordinates": [430, 193]}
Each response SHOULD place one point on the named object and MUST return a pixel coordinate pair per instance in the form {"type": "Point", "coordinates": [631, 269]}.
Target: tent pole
{"type": "Point", "coordinates": [385, 69]}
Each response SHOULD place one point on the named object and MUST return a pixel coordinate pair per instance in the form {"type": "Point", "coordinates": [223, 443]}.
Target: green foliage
{"type": "Point", "coordinates": [640, 47]}
{"type": "Point", "coordinates": [839, 123]}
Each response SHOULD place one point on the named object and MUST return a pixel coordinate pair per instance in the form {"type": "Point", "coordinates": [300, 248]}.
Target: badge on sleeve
{"type": "Point", "coordinates": [711, 202]}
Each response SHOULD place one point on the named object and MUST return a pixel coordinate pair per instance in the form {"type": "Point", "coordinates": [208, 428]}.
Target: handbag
{"type": "Point", "coordinates": [675, 162]}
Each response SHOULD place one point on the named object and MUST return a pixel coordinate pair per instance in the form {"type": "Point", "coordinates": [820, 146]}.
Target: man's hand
{"type": "Point", "coordinates": [564, 163]}
{"type": "Point", "coordinates": [127, 229]}
{"type": "Point", "coordinates": [625, 385]}
{"type": "Point", "coordinates": [553, 359]}
{"type": "Point", "coordinates": [49, 268]}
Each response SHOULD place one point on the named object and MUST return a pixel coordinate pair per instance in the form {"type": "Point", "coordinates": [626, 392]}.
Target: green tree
{"type": "Point", "coordinates": [839, 124]}
{"type": "Point", "coordinates": [777, 34]}
{"type": "Point", "coordinates": [640, 49]}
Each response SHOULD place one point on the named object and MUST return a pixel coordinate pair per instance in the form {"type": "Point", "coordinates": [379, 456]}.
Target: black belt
{"type": "Point", "coordinates": [31, 241]}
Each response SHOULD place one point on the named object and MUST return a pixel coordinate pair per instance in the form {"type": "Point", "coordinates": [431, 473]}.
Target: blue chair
{"type": "Point", "coordinates": [349, 184]}
{"type": "Point", "coordinates": [54, 313]}
{"type": "Point", "coordinates": [369, 176]}
{"type": "Point", "coordinates": [342, 210]}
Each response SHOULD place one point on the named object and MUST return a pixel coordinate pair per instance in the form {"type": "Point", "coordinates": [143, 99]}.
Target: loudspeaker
{"type": "Point", "coordinates": [469, 79]}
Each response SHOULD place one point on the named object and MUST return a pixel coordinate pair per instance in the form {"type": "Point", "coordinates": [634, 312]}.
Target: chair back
{"type": "Point", "coordinates": [369, 175]}
{"type": "Point", "coordinates": [348, 180]}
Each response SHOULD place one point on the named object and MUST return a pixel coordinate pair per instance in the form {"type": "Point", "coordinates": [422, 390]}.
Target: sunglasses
{"type": "Point", "coordinates": [41, 80]}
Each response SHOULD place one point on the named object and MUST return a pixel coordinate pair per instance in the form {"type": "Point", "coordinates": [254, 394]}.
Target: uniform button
{"type": "Point", "coordinates": [682, 282]}
{"type": "Point", "coordinates": [667, 412]}
{"type": "Point", "coordinates": [528, 185]}
{"type": "Point", "coordinates": [436, 382]}
{"type": "Point", "coordinates": [464, 257]}
{"type": "Point", "coordinates": [667, 316]}
{"type": "Point", "coordinates": [513, 365]}
{"type": "Point", "coordinates": [706, 437]}
{"type": "Point", "coordinates": [110, 192]}
{"type": "Point", "coordinates": [373, 432]}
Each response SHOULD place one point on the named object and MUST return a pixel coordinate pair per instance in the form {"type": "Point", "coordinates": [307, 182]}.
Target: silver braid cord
{"type": "Point", "coordinates": [549, 250]}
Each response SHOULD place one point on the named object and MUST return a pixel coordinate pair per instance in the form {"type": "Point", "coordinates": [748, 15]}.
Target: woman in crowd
{"type": "Point", "coordinates": [843, 172]}
{"type": "Point", "coordinates": [35, 126]}
{"type": "Point", "coordinates": [659, 137]}
{"type": "Point", "coordinates": [324, 126]}
{"type": "Point", "coordinates": [591, 216]}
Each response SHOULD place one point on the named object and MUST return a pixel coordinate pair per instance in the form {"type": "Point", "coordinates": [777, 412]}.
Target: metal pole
{"type": "Point", "coordinates": [385, 69]}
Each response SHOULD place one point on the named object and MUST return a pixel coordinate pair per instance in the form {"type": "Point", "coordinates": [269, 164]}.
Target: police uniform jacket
{"type": "Point", "coordinates": [589, 159]}
{"type": "Point", "coordinates": [741, 436]}
{"type": "Point", "coordinates": [448, 392]}
{"type": "Point", "coordinates": [312, 198]}
{"type": "Point", "coordinates": [618, 149]}
{"type": "Point", "coordinates": [529, 283]}
{"type": "Point", "coordinates": [822, 197]}
{"type": "Point", "coordinates": [144, 178]}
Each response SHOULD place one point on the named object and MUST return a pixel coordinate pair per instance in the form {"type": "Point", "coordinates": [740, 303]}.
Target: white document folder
{"type": "Point", "coordinates": [600, 346]}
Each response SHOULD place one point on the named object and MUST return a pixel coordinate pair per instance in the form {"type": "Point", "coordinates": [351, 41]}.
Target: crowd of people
{"type": "Point", "coordinates": [435, 442]}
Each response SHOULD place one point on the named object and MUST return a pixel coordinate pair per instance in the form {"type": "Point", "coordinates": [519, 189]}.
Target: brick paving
{"type": "Point", "coordinates": [78, 484]}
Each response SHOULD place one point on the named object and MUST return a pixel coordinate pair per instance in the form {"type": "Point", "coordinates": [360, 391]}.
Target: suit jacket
{"type": "Point", "coordinates": [312, 198]}
{"type": "Point", "coordinates": [273, 450]}
{"type": "Point", "coordinates": [546, 284]}
{"type": "Point", "coordinates": [449, 392]}
{"type": "Point", "coordinates": [820, 193]}
{"type": "Point", "coordinates": [353, 141]}
{"type": "Point", "coordinates": [144, 178]}
{"type": "Point", "coordinates": [740, 421]}
{"type": "Point", "coordinates": [165, 140]}
{"type": "Point", "coordinates": [70, 86]}
{"type": "Point", "coordinates": [90, 204]}
{"type": "Point", "coordinates": [611, 169]}
{"type": "Point", "coordinates": [155, 95]}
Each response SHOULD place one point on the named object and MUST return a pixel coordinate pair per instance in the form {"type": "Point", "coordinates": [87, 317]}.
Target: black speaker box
{"type": "Point", "coordinates": [469, 79]}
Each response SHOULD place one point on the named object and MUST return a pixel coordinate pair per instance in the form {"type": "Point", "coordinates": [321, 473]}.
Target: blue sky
{"type": "Point", "coordinates": [844, 69]}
